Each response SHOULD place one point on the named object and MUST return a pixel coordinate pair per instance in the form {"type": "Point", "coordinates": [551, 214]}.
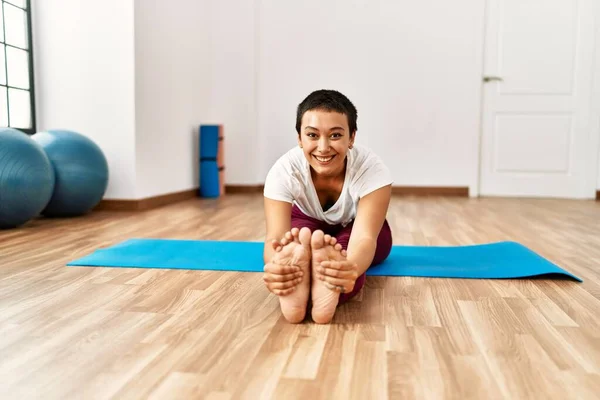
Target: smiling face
{"type": "Point", "coordinates": [325, 139]}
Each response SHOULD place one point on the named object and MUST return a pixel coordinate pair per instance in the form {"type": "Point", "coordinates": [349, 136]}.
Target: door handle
{"type": "Point", "coordinates": [492, 78]}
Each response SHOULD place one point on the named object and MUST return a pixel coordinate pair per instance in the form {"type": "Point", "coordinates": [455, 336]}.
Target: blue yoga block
{"type": "Point", "coordinates": [209, 142]}
{"type": "Point", "coordinates": [209, 179]}
{"type": "Point", "coordinates": [211, 156]}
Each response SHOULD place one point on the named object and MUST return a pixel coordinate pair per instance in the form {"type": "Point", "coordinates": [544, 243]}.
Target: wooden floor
{"type": "Point", "coordinates": [75, 333]}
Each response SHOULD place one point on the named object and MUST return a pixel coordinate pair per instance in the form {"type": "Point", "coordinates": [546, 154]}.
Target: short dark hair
{"type": "Point", "coordinates": [328, 100]}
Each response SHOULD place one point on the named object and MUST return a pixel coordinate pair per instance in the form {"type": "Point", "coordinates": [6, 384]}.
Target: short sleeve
{"type": "Point", "coordinates": [277, 183]}
{"type": "Point", "coordinates": [374, 174]}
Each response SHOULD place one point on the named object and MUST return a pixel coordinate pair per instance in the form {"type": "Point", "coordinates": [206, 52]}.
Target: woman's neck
{"type": "Point", "coordinates": [328, 180]}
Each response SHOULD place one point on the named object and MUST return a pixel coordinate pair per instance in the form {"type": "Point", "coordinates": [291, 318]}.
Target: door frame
{"type": "Point", "coordinates": [593, 156]}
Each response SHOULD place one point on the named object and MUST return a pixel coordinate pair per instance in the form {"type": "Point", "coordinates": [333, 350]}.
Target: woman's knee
{"type": "Point", "coordinates": [384, 244]}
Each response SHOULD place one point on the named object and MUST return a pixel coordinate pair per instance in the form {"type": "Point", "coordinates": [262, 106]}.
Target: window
{"type": "Point", "coordinates": [17, 95]}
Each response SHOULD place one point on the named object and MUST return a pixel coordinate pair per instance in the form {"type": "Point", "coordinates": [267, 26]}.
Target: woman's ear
{"type": "Point", "coordinates": [352, 137]}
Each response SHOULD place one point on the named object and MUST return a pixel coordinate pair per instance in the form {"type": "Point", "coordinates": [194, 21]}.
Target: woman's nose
{"type": "Point", "coordinates": [323, 145]}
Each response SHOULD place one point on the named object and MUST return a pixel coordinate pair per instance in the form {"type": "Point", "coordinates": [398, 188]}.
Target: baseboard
{"type": "Point", "coordinates": [147, 203]}
{"type": "Point", "coordinates": [237, 189]}
{"type": "Point", "coordinates": [396, 190]}
{"type": "Point", "coordinates": [166, 199]}
{"type": "Point", "coordinates": [418, 191]}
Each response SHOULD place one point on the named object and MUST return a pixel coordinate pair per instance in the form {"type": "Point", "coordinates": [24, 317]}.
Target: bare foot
{"type": "Point", "coordinates": [295, 251]}
{"type": "Point", "coordinates": [324, 300]}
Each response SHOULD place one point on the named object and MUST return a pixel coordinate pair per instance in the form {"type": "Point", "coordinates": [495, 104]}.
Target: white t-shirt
{"type": "Point", "coordinates": [289, 180]}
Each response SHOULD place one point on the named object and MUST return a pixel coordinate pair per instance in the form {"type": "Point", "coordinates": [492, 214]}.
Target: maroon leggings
{"type": "Point", "coordinates": [342, 234]}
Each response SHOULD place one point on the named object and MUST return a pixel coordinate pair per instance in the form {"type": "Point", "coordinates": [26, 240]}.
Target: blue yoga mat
{"type": "Point", "coordinates": [483, 261]}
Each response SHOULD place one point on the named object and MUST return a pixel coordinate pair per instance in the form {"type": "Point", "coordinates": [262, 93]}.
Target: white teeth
{"type": "Point", "coordinates": [323, 159]}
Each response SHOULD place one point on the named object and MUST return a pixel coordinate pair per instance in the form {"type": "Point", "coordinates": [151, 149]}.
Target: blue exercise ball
{"type": "Point", "coordinates": [81, 172]}
{"type": "Point", "coordinates": [26, 178]}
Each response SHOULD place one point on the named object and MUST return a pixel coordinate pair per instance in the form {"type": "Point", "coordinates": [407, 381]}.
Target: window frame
{"type": "Point", "coordinates": [31, 90]}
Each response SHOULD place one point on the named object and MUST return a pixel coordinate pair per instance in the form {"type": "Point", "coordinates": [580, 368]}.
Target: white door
{"type": "Point", "coordinates": [538, 137]}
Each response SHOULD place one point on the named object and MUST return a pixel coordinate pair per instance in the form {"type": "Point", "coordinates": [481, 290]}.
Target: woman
{"type": "Point", "coordinates": [325, 206]}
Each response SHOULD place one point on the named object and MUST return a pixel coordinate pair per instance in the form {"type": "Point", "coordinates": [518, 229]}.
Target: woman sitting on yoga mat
{"type": "Point", "coordinates": [325, 205]}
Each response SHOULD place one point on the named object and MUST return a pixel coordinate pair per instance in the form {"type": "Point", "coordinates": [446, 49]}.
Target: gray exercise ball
{"type": "Point", "coordinates": [26, 178]}
{"type": "Point", "coordinates": [81, 172]}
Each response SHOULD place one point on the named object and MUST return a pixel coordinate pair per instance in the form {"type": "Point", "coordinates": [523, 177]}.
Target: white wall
{"type": "Point", "coordinates": [202, 55]}
{"type": "Point", "coordinates": [413, 70]}
{"type": "Point", "coordinates": [84, 70]}
{"type": "Point", "coordinates": [172, 86]}
{"type": "Point", "coordinates": [194, 65]}
{"type": "Point", "coordinates": [142, 87]}
{"type": "Point", "coordinates": [233, 91]}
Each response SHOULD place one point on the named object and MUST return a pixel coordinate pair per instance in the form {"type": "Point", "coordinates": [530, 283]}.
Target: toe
{"type": "Point", "coordinates": [327, 240]}
{"type": "Point", "coordinates": [304, 237]}
{"type": "Point", "coordinates": [316, 240]}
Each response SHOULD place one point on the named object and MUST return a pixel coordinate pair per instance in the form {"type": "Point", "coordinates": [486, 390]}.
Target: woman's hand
{"type": "Point", "coordinates": [282, 280]}
{"type": "Point", "coordinates": [338, 276]}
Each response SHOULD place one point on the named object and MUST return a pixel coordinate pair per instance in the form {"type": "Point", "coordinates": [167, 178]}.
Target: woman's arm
{"type": "Point", "coordinates": [370, 216]}
{"type": "Point", "coordinates": [278, 215]}
{"type": "Point", "coordinates": [340, 276]}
